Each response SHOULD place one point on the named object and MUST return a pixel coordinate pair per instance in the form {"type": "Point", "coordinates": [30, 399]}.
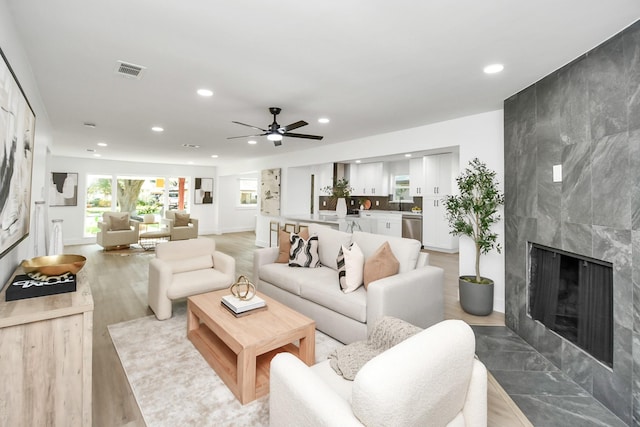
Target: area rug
{"type": "Point", "coordinates": [173, 384]}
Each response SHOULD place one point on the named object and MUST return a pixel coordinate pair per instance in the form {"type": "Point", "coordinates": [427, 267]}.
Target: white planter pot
{"type": "Point", "coordinates": [341, 208]}
{"type": "Point", "coordinates": [149, 218]}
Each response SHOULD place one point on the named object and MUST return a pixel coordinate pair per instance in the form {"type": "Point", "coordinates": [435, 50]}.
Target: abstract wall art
{"type": "Point", "coordinates": [64, 189]}
{"type": "Point", "coordinates": [270, 192]}
{"type": "Point", "coordinates": [204, 191]}
{"type": "Point", "coordinates": [17, 129]}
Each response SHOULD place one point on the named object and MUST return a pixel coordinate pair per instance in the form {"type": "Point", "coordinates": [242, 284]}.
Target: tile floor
{"type": "Point", "coordinates": [545, 394]}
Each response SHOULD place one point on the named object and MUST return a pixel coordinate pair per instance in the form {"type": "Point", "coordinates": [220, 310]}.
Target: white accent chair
{"type": "Point", "coordinates": [184, 268]}
{"type": "Point", "coordinates": [180, 232]}
{"type": "Point", "coordinates": [111, 236]}
{"type": "Point", "coordinates": [430, 379]}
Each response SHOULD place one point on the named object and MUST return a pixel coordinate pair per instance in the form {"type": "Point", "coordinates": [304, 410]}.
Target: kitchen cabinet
{"type": "Point", "coordinates": [387, 223]}
{"type": "Point", "coordinates": [416, 177]}
{"type": "Point", "coordinates": [324, 176]}
{"type": "Point", "coordinates": [389, 226]}
{"type": "Point", "coordinates": [438, 175]}
{"type": "Point", "coordinates": [368, 179]}
{"type": "Point", "coordinates": [435, 234]}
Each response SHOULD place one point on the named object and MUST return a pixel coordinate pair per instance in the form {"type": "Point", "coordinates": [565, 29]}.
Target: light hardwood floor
{"type": "Point", "coordinates": [118, 284]}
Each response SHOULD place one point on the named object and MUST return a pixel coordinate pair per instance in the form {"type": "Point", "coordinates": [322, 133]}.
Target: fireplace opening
{"type": "Point", "coordinates": [573, 296]}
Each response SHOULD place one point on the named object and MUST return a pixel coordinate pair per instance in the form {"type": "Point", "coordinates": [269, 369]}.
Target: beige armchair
{"type": "Point", "coordinates": [181, 225]}
{"type": "Point", "coordinates": [430, 379]}
{"type": "Point", "coordinates": [184, 268]}
{"type": "Point", "coordinates": [117, 230]}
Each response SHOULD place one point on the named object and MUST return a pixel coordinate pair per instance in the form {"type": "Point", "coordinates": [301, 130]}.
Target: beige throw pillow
{"type": "Point", "coordinates": [182, 220]}
{"type": "Point", "coordinates": [119, 222]}
{"type": "Point", "coordinates": [380, 265]}
{"type": "Point", "coordinates": [285, 244]}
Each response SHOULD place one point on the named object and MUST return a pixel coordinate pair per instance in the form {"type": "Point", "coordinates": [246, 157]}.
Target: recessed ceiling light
{"type": "Point", "coordinates": [96, 155]}
{"type": "Point", "coordinates": [323, 120]}
{"type": "Point", "coordinates": [252, 142]}
{"type": "Point", "coordinates": [205, 92]}
{"type": "Point", "coordinates": [408, 155]}
{"type": "Point", "coordinates": [358, 161]}
{"type": "Point", "coordinates": [493, 68]}
{"type": "Point", "coordinates": [102, 144]}
{"type": "Point", "coordinates": [189, 163]}
{"type": "Point", "coordinates": [157, 129]}
{"type": "Point", "coordinates": [214, 156]}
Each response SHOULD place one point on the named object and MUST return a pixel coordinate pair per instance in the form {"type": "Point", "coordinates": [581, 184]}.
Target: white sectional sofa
{"type": "Point", "coordinates": [415, 294]}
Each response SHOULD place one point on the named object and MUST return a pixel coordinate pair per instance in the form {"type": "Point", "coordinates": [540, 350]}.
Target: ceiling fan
{"type": "Point", "coordinates": [276, 132]}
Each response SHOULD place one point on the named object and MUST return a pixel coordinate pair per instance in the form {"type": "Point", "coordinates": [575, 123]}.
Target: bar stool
{"type": "Point", "coordinates": [274, 226]}
{"type": "Point", "coordinates": [302, 227]}
{"type": "Point", "coordinates": [289, 227]}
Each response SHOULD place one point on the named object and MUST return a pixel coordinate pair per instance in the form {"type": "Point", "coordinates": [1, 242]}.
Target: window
{"type": "Point", "coordinates": [401, 188]}
{"type": "Point", "coordinates": [248, 191]}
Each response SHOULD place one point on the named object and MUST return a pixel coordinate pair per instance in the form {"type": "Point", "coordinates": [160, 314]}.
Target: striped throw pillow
{"type": "Point", "coordinates": [350, 267]}
{"type": "Point", "coordinates": [304, 253]}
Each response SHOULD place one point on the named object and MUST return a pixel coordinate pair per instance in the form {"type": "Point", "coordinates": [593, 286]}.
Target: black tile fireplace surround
{"type": "Point", "coordinates": [585, 117]}
{"type": "Point", "coordinates": [573, 296]}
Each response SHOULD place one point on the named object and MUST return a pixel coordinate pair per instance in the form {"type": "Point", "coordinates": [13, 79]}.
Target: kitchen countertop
{"type": "Point", "coordinates": [328, 218]}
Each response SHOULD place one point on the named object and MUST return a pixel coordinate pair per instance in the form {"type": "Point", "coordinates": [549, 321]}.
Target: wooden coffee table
{"type": "Point", "coordinates": [240, 349]}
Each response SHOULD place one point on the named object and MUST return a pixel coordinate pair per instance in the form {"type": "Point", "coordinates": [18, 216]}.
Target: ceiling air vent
{"type": "Point", "coordinates": [129, 70]}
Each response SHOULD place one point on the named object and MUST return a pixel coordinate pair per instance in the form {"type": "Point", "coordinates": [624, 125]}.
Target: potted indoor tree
{"type": "Point", "coordinates": [339, 191]}
{"type": "Point", "coordinates": [472, 213]}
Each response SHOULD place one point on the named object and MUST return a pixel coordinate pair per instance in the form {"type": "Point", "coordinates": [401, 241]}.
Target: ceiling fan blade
{"type": "Point", "coordinates": [246, 136]}
{"type": "Point", "coordinates": [301, 135]}
{"type": "Point", "coordinates": [244, 124]}
{"type": "Point", "coordinates": [295, 125]}
{"type": "Point", "coordinates": [277, 143]}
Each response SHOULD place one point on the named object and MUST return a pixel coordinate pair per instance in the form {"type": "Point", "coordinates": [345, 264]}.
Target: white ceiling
{"type": "Point", "coordinates": [371, 66]}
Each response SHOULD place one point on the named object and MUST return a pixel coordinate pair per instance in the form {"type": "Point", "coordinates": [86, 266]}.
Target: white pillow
{"type": "Point", "coordinates": [350, 267]}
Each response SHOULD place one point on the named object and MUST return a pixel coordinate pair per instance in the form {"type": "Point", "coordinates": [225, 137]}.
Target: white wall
{"type": "Point", "coordinates": [73, 216]}
{"type": "Point", "coordinates": [233, 217]}
{"type": "Point", "coordinates": [17, 58]}
{"type": "Point", "coordinates": [479, 136]}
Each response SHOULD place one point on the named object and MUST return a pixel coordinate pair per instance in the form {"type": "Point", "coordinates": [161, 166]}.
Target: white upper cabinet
{"type": "Point", "coordinates": [324, 176]}
{"type": "Point", "coordinates": [416, 177]}
{"type": "Point", "coordinates": [368, 179]}
{"type": "Point", "coordinates": [438, 178]}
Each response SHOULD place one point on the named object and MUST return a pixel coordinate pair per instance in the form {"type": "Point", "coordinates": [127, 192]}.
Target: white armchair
{"type": "Point", "coordinates": [117, 230]}
{"type": "Point", "coordinates": [186, 268]}
{"type": "Point", "coordinates": [432, 378]}
{"type": "Point", "coordinates": [181, 225]}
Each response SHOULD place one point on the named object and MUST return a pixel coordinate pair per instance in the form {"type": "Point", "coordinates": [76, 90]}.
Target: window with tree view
{"type": "Point", "coordinates": [248, 191]}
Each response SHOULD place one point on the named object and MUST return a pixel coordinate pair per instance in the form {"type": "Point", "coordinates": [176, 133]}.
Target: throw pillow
{"type": "Point", "coordinates": [182, 220]}
{"type": "Point", "coordinates": [304, 253]}
{"type": "Point", "coordinates": [380, 265]}
{"type": "Point", "coordinates": [350, 267]}
{"type": "Point", "coordinates": [285, 244]}
{"type": "Point", "coordinates": [119, 222]}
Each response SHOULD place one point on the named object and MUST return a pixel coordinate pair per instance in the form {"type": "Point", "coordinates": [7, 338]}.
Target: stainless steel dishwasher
{"type": "Point", "coordinates": [412, 226]}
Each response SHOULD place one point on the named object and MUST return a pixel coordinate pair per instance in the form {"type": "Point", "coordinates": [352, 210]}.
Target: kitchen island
{"type": "Point", "coordinates": [349, 224]}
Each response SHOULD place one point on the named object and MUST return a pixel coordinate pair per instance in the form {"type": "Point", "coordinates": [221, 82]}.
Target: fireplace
{"type": "Point", "coordinates": [572, 295]}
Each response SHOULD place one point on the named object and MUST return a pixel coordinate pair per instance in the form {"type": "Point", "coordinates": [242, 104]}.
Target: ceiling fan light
{"type": "Point", "coordinates": [274, 137]}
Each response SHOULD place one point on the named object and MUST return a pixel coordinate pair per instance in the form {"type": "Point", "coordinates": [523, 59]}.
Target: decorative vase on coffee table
{"type": "Point", "coordinates": [341, 208]}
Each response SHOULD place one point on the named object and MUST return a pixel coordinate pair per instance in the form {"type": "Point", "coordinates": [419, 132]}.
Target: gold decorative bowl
{"type": "Point", "coordinates": [54, 265]}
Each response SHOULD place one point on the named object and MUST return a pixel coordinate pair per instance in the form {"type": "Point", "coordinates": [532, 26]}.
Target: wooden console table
{"type": "Point", "coordinates": [45, 354]}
